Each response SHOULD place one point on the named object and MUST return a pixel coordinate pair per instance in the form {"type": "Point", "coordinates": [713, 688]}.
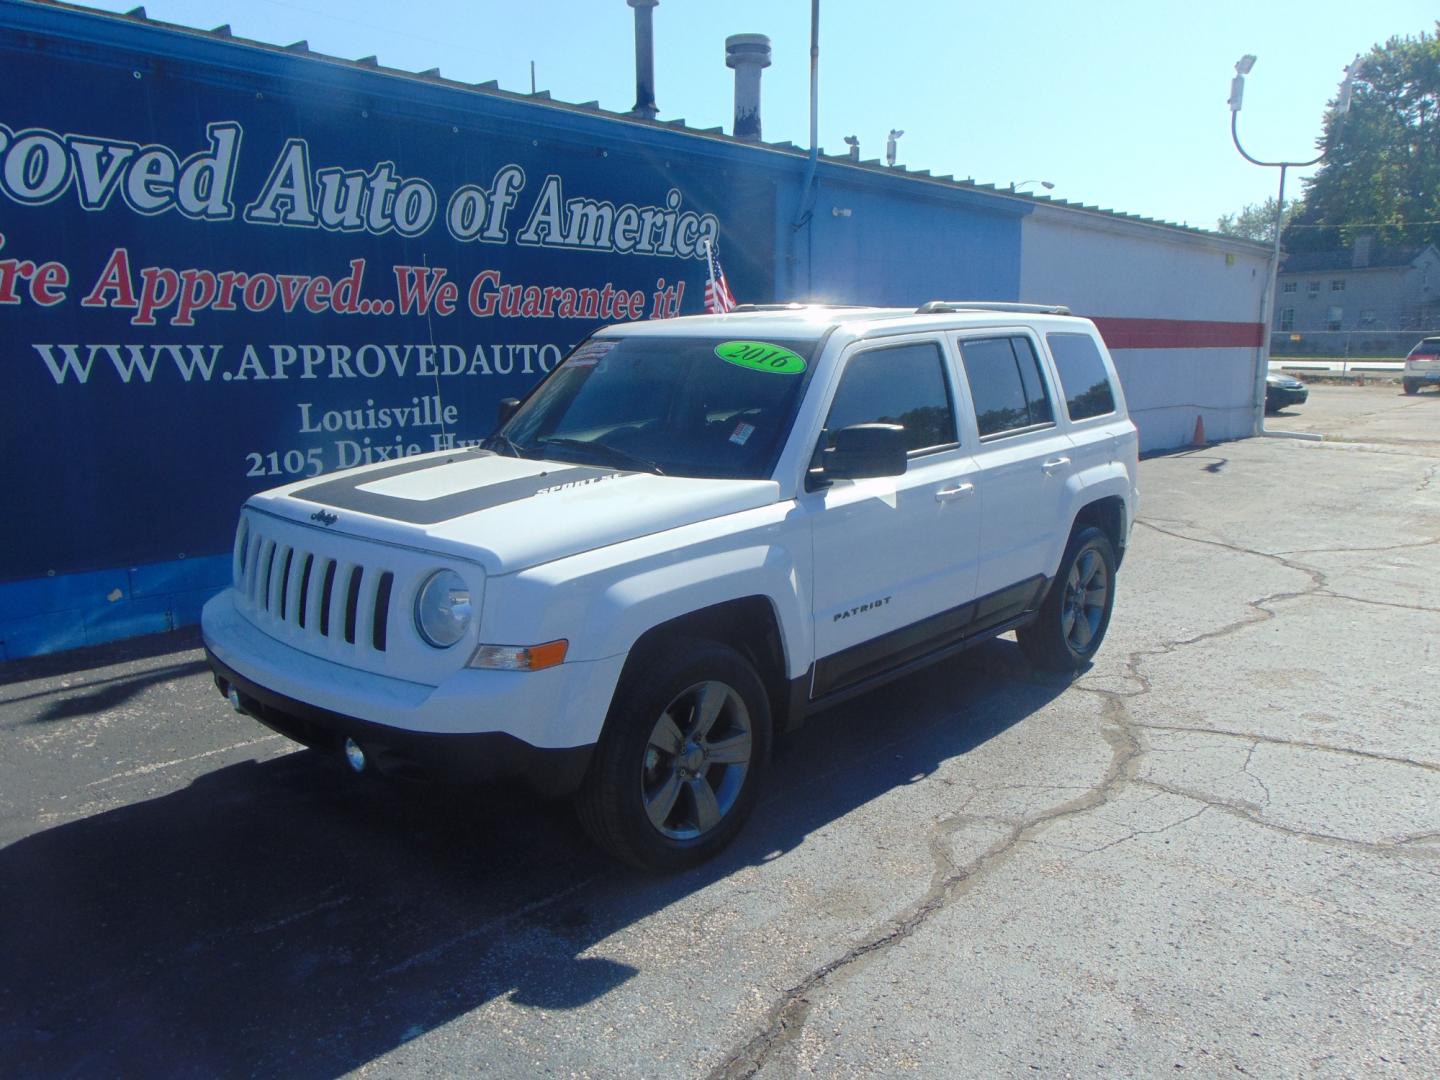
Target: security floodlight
{"type": "Point", "coordinates": [853, 142]}
{"type": "Point", "coordinates": [895, 133]}
{"type": "Point", "coordinates": [1237, 84]}
{"type": "Point", "coordinates": [1347, 88]}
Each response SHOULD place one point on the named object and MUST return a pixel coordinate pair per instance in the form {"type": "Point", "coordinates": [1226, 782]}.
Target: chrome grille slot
{"type": "Point", "coordinates": [275, 580]}
{"type": "Point", "coordinates": [290, 586]}
{"type": "Point", "coordinates": [381, 618]}
{"type": "Point", "coordinates": [303, 608]}
{"type": "Point", "coordinates": [260, 581]}
{"type": "Point", "coordinates": [352, 602]}
{"type": "Point", "coordinates": [252, 562]}
{"type": "Point", "coordinates": [327, 591]}
{"type": "Point", "coordinates": [242, 548]}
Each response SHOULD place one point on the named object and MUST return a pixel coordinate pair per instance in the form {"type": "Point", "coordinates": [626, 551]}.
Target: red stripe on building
{"type": "Point", "coordinates": [1178, 334]}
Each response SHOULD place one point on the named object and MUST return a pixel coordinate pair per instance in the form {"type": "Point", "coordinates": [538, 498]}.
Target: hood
{"type": "Point", "coordinates": [507, 513]}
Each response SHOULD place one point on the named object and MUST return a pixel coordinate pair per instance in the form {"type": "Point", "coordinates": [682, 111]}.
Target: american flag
{"type": "Point", "coordinates": [718, 297]}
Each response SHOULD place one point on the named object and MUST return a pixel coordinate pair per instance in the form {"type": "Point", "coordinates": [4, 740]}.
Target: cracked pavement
{"type": "Point", "coordinates": [1217, 851]}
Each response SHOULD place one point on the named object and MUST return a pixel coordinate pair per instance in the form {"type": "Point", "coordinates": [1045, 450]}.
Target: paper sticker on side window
{"type": "Point", "coordinates": [590, 354]}
{"type": "Point", "coordinates": [760, 356]}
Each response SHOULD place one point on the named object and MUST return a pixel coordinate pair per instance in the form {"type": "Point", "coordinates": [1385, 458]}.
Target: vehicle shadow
{"type": "Point", "coordinates": [98, 695]}
{"type": "Point", "coordinates": [72, 662]}
{"type": "Point", "coordinates": [285, 918]}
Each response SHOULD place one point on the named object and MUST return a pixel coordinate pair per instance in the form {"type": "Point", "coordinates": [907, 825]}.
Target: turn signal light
{"type": "Point", "coordinates": [519, 657]}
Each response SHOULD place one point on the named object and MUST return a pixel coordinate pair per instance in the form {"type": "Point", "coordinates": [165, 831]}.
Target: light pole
{"type": "Point", "coordinates": [1046, 184]}
{"type": "Point", "coordinates": [1267, 316]}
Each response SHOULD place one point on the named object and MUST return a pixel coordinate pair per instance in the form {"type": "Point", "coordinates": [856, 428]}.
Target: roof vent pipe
{"type": "Point", "coordinates": [748, 54]}
{"type": "Point", "coordinates": [644, 59]}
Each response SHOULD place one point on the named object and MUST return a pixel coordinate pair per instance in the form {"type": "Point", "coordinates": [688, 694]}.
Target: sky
{"type": "Point", "coordinates": [1120, 104]}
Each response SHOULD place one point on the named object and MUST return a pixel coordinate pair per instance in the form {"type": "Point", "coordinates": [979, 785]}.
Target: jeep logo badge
{"type": "Point", "coordinates": [324, 517]}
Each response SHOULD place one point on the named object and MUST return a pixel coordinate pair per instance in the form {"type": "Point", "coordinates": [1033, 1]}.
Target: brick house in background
{"type": "Point", "coordinates": [1364, 287]}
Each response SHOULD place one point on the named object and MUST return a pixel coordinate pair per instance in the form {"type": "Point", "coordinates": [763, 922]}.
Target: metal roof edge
{"type": "Point", "coordinates": [1219, 239]}
{"type": "Point", "coordinates": [543, 100]}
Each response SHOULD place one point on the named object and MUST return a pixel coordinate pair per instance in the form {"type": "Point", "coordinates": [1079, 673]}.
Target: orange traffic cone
{"type": "Point", "coordinates": [1198, 439]}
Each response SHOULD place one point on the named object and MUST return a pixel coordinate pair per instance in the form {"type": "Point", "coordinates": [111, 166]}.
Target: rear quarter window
{"type": "Point", "coordinates": [1083, 378]}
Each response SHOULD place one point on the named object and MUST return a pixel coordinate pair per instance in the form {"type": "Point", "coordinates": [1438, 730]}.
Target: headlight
{"type": "Point", "coordinates": [442, 609]}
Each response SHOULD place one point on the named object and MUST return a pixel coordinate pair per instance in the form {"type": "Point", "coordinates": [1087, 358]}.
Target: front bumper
{"type": "Point", "coordinates": [537, 726]}
{"type": "Point", "coordinates": [467, 758]}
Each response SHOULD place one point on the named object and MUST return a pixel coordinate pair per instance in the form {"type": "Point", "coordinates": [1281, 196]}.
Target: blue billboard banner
{"type": "Point", "coordinates": [223, 268]}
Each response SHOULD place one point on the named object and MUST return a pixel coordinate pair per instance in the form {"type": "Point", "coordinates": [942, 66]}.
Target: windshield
{"type": "Point", "coordinates": [678, 406]}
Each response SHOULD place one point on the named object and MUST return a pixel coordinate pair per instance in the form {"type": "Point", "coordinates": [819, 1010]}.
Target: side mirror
{"type": "Point", "coordinates": [865, 450]}
{"type": "Point", "coordinates": [508, 407]}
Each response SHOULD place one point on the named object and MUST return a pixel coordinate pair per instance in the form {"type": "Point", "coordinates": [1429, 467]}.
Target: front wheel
{"type": "Point", "coordinates": [676, 771]}
{"type": "Point", "coordinates": [1075, 613]}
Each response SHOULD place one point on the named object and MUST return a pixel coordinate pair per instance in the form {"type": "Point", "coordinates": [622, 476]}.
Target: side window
{"type": "Point", "coordinates": [905, 385]}
{"type": "Point", "coordinates": [1006, 385]}
{"type": "Point", "coordinates": [1042, 411]}
{"type": "Point", "coordinates": [1082, 375]}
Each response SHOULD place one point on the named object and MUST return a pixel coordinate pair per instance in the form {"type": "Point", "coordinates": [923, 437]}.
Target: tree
{"type": "Point", "coordinates": [1381, 172]}
{"type": "Point", "coordinates": [1256, 221]}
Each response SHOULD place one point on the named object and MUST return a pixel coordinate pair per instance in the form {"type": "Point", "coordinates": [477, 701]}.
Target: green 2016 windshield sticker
{"type": "Point", "coordinates": [758, 356]}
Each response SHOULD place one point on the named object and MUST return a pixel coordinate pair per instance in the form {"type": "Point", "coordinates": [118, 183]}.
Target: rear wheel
{"type": "Point", "coordinates": [1075, 613]}
{"type": "Point", "coordinates": [1412, 386]}
{"type": "Point", "coordinates": [676, 771]}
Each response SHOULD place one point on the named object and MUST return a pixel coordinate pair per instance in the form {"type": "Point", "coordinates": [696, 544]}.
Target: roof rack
{"type": "Point", "coordinates": [791, 306]}
{"type": "Point", "coordinates": [942, 307]}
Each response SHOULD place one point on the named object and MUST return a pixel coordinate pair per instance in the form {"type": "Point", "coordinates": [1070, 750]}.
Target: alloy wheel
{"type": "Point", "coordinates": [1087, 590]}
{"type": "Point", "coordinates": [696, 760]}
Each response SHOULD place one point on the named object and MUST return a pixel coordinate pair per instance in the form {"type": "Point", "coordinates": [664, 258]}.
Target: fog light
{"type": "Point", "coordinates": [354, 755]}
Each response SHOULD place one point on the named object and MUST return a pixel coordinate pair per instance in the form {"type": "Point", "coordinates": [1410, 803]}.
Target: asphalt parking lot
{"type": "Point", "coordinates": [1217, 852]}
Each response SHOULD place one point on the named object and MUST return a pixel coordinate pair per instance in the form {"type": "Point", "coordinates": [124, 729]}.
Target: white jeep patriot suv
{"type": "Point", "coordinates": [690, 535]}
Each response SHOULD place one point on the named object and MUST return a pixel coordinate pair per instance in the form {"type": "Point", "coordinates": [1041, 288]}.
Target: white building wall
{"type": "Point", "coordinates": [1181, 313]}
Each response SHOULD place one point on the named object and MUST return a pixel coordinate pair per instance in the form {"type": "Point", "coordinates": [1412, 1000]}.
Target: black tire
{"type": "Point", "coordinates": [631, 774]}
{"type": "Point", "coordinates": [1412, 386]}
{"type": "Point", "coordinates": [1063, 638]}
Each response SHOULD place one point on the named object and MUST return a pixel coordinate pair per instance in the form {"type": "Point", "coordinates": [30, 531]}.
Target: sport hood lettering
{"type": "Point", "coordinates": [344, 493]}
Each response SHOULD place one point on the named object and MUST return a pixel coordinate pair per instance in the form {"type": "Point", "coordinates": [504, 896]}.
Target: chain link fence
{"type": "Point", "coordinates": [1345, 344]}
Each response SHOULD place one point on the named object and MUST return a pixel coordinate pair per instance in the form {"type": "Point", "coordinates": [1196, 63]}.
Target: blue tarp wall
{"type": "Point", "coordinates": [225, 266]}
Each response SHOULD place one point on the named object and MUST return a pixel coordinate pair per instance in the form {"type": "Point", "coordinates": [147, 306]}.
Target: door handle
{"type": "Point", "coordinates": [1054, 463]}
{"type": "Point", "coordinates": [959, 491]}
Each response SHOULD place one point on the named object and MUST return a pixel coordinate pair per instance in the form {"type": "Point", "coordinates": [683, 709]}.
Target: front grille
{"type": "Point", "coordinates": [310, 593]}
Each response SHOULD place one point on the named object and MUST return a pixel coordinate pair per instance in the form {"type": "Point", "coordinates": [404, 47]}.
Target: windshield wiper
{"type": "Point", "coordinates": [615, 455]}
{"type": "Point", "coordinates": [505, 444]}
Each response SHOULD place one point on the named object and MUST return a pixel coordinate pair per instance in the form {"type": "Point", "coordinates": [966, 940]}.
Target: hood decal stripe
{"type": "Point", "coordinates": [344, 493]}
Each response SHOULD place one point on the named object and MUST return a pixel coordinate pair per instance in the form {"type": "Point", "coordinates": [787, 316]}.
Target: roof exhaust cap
{"type": "Point", "coordinates": [748, 54]}
{"type": "Point", "coordinates": [644, 59]}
